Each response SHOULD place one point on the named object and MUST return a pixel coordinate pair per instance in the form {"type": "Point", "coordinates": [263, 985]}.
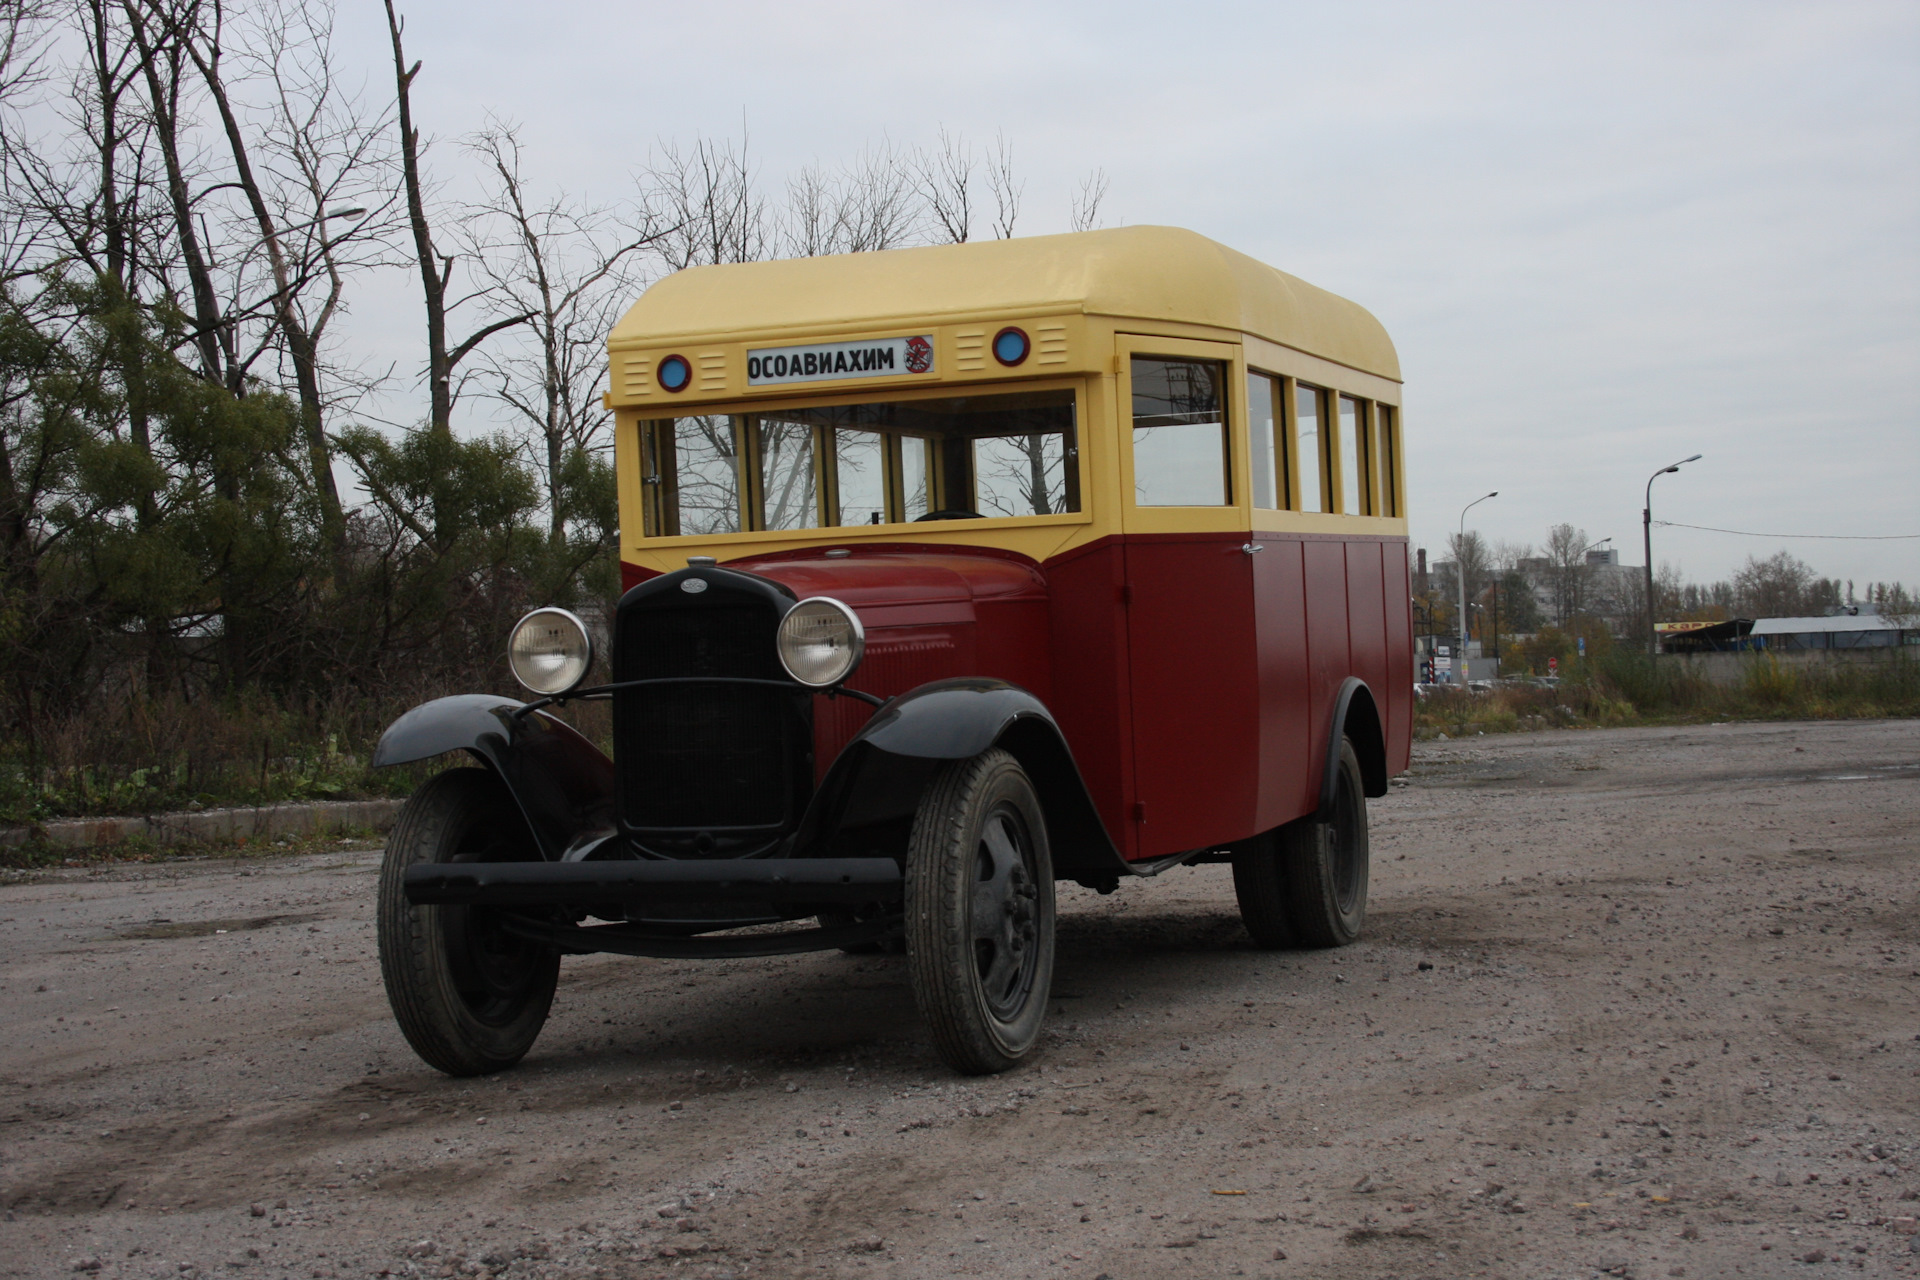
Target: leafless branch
{"type": "Point", "coordinates": [1006, 187]}
{"type": "Point", "coordinates": [1086, 201]}
{"type": "Point", "coordinates": [945, 177]}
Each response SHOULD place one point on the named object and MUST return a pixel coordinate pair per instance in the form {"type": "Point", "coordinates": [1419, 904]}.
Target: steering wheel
{"type": "Point", "coordinates": [951, 513]}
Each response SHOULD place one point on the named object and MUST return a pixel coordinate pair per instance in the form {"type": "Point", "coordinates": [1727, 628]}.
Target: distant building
{"type": "Point", "coordinates": [1704, 637]}
{"type": "Point", "coordinates": [1836, 631]}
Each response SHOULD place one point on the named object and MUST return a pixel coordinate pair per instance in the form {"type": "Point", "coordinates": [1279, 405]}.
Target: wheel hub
{"type": "Point", "coordinates": [1005, 917]}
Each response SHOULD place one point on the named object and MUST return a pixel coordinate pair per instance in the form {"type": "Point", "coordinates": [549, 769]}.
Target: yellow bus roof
{"type": "Point", "coordinates": [1160, 274]}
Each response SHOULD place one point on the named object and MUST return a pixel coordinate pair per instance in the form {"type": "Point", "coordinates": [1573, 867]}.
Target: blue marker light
{"type": "Point", "coordinates": [1010, 346]}
{"type": "Point", "coordinates": [675, 373]}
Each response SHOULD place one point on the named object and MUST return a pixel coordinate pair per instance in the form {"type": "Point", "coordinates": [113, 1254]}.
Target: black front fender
{"type": "Point", "coordinates": [562, 782]}
{"type": "Point", "coordinates": [878, 777]}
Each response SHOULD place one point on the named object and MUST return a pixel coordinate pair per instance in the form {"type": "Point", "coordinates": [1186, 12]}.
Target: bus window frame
{"type": "Point", "coordinates": [1337, 451]}
{"type": "Point", "coordinates": [1295, 369]}
{"type": "Point", "coordinates": [1387, 446]}
{"type": "Point", "coordinates": [1324, 444]}
{"type": "Point", "coordinates": [1235, 512]}
{"type": "Point", "coordinates": [1282, 464]}
{"type": "Point", "coordinates": [743, 417]}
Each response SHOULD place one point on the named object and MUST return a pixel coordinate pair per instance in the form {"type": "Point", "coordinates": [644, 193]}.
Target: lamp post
{"type": "Point", "coordinates": [1460, 572]}
{"type": "Point", "coordinates": [356, 213]}
{"type": "Point", "coordinates": [1646, 532]}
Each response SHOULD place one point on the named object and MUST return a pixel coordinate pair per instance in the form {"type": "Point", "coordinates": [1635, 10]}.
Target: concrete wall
{"type": "Point", "coordinates": [210, 826]}
{"type": "Point", "coordinates": [1732, 668]}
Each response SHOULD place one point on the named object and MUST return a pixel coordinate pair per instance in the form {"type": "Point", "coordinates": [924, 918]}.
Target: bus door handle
{"type": "Point", "coordinates": [1251, 547]}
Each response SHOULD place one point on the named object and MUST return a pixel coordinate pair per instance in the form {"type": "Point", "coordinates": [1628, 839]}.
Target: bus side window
{"type": "Point", "coordinates": [1179, 433]}
{"type": "Point", "coordinates": [1310, 458]}
{"type": "Point", "coordinates": [860, 487]}
{"type": "Point", "coordinates": [916, 476]}
{"type": "Point", "coordinates": [1386, 450]}
{"type": "Point", "coordinates": [1024, 475]}
{"type": "Point", "coordinates": [787, 493]}
{"type": "Point", "coordinates": [1351, 461]}
{"type": "Point", "coordinates": [1268, 478]}
{"type": "Point", "coordinates": [690, 468]}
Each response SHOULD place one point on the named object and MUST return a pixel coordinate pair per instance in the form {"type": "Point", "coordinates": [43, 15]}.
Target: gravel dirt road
{"type": "Point", "coordinates": [1637, 1002]}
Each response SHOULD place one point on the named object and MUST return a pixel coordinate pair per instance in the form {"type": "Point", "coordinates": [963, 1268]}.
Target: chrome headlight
{"type": "Point", "coordinates": [821, 642]}
{"type": "Point", "coordinates": [550, 651]}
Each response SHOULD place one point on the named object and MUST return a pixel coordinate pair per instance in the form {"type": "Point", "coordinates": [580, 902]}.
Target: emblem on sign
{"type": "Point", "coordinates": [919, 355]}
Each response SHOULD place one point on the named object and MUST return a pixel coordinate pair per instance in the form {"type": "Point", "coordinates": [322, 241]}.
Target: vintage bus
{"type": "Point", "coordinates": [949, 572]}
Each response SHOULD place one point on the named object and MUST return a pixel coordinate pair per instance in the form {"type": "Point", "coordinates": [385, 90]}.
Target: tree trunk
{"type": "Point", "coordinates": [302, 348]}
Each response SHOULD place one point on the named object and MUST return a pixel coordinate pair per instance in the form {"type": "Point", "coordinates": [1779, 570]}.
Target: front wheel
{"type": "Point", "coordinates": [469, 996]}
{"type": "Point", "coordinates": [980, 913]}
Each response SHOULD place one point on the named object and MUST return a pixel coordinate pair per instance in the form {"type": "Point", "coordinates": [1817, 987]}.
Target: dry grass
{"type": "Point", "coordinates": [154, 757]}
{"type": "Point", "coordinates": [1622, 689]}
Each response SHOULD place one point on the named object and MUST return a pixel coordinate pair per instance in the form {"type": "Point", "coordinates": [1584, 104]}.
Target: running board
{"type": "Point", "coordinates": [524, 884]}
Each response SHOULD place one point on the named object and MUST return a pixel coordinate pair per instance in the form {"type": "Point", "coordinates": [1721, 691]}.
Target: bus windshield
{"type": "Point", "coordinates": [819, 466]}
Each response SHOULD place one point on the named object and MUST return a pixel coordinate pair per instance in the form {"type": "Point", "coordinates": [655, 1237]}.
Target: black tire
{"type": "Point", "coordinates": [1326, 864]}
{"type": "Point", "coordinates": [1260, 883]}
{"type": "Point", "coordinates": [980, 913]}
{"type": "Point", "coordinates": [469, 997]}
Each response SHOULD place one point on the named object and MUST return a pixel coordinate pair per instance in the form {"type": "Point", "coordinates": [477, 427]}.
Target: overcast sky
{"type": "Point", "coordinates": [1603, 237]}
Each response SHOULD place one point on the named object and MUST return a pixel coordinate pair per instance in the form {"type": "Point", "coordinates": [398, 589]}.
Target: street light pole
{"type": "Point", "coordinates": [1460, 572]}
{"type": "Point", "coordinates": [1646, 533]}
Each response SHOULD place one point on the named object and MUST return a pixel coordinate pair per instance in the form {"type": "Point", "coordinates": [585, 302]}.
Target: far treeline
{"type": "Point", "coordinates": [220, 574]}
{"type": "Point", "coordinates": [1536, 604]}
{"type": "Point", "coordinates": [1553, 605]}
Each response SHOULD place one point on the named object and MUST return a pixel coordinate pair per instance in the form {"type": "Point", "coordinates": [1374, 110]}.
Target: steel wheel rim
{"type": "Point", "coordinates": [1003, 916]}
{"type": "Point", "coordinates": [492, 970]}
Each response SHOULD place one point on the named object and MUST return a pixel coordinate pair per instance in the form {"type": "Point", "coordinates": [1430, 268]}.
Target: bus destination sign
{"type": "Point", "coordinates": [875, 358]}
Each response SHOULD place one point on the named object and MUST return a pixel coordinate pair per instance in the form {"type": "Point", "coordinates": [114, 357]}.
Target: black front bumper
{"type": "Point", "coordinates": [642, 882]}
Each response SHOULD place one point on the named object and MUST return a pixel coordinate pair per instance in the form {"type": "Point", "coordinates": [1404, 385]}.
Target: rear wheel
{"type": "Point", "coordinates": [469, 996]}
{"type": "Point", "coordinates": [1305, 884]}
{"type": "Point", "coordinates": [980, 913]}
{"type": "Point", "coordinates": [1260, 883]}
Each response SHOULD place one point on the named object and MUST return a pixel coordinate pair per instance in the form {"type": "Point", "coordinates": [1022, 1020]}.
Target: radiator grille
{"type": "Point", "coordinates": [703, 756]}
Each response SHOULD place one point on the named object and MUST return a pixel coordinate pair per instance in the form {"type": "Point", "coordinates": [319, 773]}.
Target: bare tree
{"type": "Point", "coordinates": [1893, 601]}
{"type": "Point", "coordinates": [23, 43]}
{"type": "Point", "coordinates": [1566, 557]}
{"type": "Point", "coordinates": [569, 270]}
{"type": "Point", "coordinates": [436, 270]}
{"type": "Point", "coordinates": [310, 146]}
{"type": "Point", "coordinates": [1471, 563]}
{"type": "Point", "coordinates": [868, 205]}
{"type": "Point", "coordinates": [705, 200]}
{"type": "Point", "coordinates": [1086, 201]}
{"type": "Point", "coordinates": [945, 177]}
{"type": "Point", "coordinates": [1783, 586]}
{"type": "Point", "coordinates": [1006, 187]}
